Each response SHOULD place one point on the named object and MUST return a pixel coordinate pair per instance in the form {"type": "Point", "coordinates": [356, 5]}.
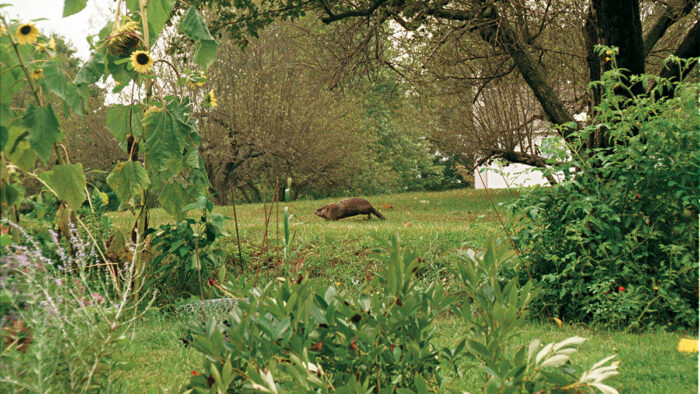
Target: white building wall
{"type": "Point", "coordinates": [513, 175]}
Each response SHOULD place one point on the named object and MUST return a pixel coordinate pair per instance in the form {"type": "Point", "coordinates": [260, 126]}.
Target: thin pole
{"type": "Point", "coordinates": [235, 221]}
{"type": "Point", "coordinates": [517, 252]}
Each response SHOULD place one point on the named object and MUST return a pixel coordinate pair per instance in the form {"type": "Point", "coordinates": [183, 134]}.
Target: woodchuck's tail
{"type": "Point", "coordinates": [376, 213]}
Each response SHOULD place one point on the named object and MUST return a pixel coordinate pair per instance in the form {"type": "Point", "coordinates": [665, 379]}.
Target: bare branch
{"type": "Point", "coordinates": [668, 17]}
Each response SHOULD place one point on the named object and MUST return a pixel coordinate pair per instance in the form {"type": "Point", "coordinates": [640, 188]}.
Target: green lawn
{"type": "Point", "coordinates": [349, 253]}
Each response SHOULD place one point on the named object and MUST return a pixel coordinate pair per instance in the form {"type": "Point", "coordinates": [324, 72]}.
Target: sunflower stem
{"type": "Point", "coordinates": [29, 79]}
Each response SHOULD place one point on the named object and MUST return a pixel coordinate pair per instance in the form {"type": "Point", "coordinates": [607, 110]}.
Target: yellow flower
{"type": "Point", "coordinates": [2, 28]}
{"type": "Point", "coordinates": [211, 99]}
{"type": "Point", "coordinates": [607, 58]}
{"type": "Point", "coordinates": [37, 74]}
{"type": "Point", "coordinates": [152, 109]}
{"type": "Point", "coordinates": [124, 38]}
{"type": "Point", "coordinates": [27, 34]}
{"type": "Point", "coordinates": [104, 197]}
{"type": "Point", "coordinates": [558, 321]}
{"type": "Point", "coordinates": [141, 61]}
{"type": "Point", "coordinates": [608, 52]}
{"type": "Point", "coordinates": [656, 287]}
{"type": "Point", "coordinates": [51, 44]}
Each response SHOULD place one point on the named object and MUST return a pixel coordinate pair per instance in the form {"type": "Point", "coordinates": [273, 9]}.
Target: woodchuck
{"type": "Point", "coordinates": [346, 208]}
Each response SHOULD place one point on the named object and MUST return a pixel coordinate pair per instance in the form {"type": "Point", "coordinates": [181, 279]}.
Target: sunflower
{"type": "Point", "coordinates": [37, 74]}
{"type": "Point", "coordinates": [124, 38]}
{"type": "Point", "coordinates": [27, 34]}
{"type": "Point", "coordinates": [211, 99]}
{"type": "Point", "coordinates": [141, 61]}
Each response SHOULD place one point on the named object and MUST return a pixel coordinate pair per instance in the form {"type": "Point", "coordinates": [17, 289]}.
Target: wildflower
{"type": "Point", "coordinates": [637, 196]}
{"type": "Point", "coordinates": [211, 99]}
{"type": "Point", "coordinates": [58, 282]}
{"type": "Point", "coordinates": [37, 74]}
{"type": "Point", "coordinates": [656, 287]}
{"type": "Point", "coordinates": [124, 38]}
{"type": "Point", "coordinates": [141, 61]}
{"type": "Point", "coordinates": [104, 197]}
{"type": "Point", "coordinates": [608, 52]}
{"type": "Point", "coordinates": [558, 321]}
{"type": "Point", "coordinates": [51, 44]}
{"type": "Point", "coordinates": [337, 283]}
{"type": "Point", "coordinates": [97, 297]}
{"type": "Point", "coordinates": [620, 289]}
{"type": "Point", "coordinates": [27, 34]}
{"type": "Point", "coordinates": [194, 373]}
{"type": "Point", "coordinates": [152, 109]}
{"type": "Point", "coordinates": [198, 81]}
{"type": "Point", "coordinates": [607, 58]}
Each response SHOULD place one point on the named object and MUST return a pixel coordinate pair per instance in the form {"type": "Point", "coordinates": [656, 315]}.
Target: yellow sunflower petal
{"type": "Point", "coordinates": [27, 33]}
{"type": "Point", "coordinates": [141, 61]}
{"type": "Point", "coordinates": [212, 99]}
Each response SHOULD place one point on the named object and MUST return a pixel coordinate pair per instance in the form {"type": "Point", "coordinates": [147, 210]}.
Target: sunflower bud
{"type": "Point", "coordinates": [124, 38]}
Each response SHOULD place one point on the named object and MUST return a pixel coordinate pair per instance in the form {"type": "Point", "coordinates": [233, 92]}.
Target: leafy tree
{"type": "Point", "coordinates": [533, 39]}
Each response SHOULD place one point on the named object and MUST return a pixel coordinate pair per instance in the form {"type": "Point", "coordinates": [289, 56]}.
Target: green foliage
{"type": "Point", "coordinates": [67, 181]}
{"type": "Point", "coordinates": [495, 312]}
{"type": "Point", "coordinates": [186, 250]}
{"type": "Point", "coordinates": [43, 128]}
{"type": "Point", "coordinates": [127, 180]}
{"type": "Point", "coordinates": [291, 336]}
{"type": "Point", "coordinates": [616, 242]}
{"type": "Point", "coordinates": [194, 26]}
{"type": "Point", "coordinates": [62, 320]}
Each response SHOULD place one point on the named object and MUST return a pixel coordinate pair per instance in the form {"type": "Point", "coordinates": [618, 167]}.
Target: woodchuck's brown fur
{"type": "Point", "coordinates": [346, 208]}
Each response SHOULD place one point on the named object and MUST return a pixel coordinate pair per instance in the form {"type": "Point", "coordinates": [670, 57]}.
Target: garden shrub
{"type": "Point", "coordinates": [615, 243]}
{"type": "Point", "coordinates": [297, 337]}
{"type": "Point", "coordinates": [62, 317]}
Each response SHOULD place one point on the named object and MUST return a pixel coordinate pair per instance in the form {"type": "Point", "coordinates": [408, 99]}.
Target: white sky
{"type": "Point", "coordinates": [75, 28]}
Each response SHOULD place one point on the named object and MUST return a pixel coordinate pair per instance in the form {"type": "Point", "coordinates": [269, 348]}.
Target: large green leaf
{"type": "Point", "coordinates": [71, 7]}
{"type": "Point", "coordinates": [165, 142]}
{"type": "Point", "coordinates": [173, 199]}
{"type": "Point", "coordinates": [7, 115]}
{"type": "Point", "coordinates": [68, 181]}
{"type": "Point", "coordinates": [44, 129]}
{"type": "Point", "coordinates": [17, 149]}
{"type": "Point", "coordinates": [92, 70]}
{"type": "Point", "coordinates": [158, 13]}
{"type": "Point", "coordinates": [128, 179]}
{"type": "Point", "coordinates": [122, 120]}
{"type": "Point", "coordinates": [4, 136]}
{"type": "Point", "coordinates": [56, 82]}
{"type": "Point", "coordinates": [194, 25]}
{"type": "Point", "coordinates": [205, 53]}
{"type": "Point", "coordinates": [11, 78]}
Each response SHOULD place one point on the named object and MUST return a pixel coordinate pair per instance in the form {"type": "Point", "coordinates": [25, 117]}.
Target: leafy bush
{"type": "Point", "coordinates": [187, 254]}
{"type": "Point", "coordinates": [616, 242]}
{"type": "Point", "coordinates": [287, 336]}
{"type": "Point", "coordinates": [63, 318]}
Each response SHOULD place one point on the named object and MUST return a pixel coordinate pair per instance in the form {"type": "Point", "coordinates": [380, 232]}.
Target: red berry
{"type": "Point", "coordinates": [620, 289]}
{"type": "Point", "coordinates": [637, 196]}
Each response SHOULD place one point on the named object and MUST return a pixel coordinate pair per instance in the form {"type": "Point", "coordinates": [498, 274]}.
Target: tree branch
{"type": "Point", "coordinates": [351, 13]}
{"type": "Point", "coordinates": [668, 17]}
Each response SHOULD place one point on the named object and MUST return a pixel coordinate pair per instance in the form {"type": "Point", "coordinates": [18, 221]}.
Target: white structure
{"type": "Point", "coordinates": [512, 175]}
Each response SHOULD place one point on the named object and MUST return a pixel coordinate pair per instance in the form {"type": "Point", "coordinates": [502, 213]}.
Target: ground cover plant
{"type": "Point", "coordinates": [293, 303]}
{"type": "Point", "coordinates": [615, 244]}
{"type": "Point", "coordinates": [439, 226]}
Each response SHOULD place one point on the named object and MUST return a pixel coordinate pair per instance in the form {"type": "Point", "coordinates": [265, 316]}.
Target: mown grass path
{"type": "Point", "coordinates": [349, 252]}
